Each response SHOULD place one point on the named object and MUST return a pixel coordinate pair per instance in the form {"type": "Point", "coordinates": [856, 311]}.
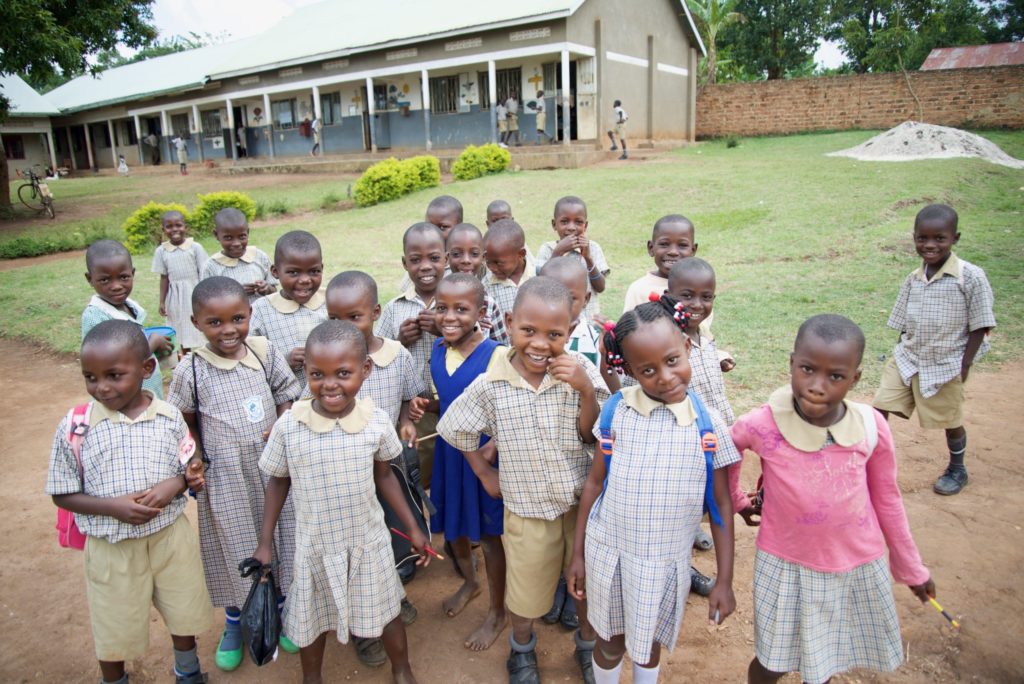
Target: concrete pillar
{"type": "Point", "coordinates": [651, 67]}
{"type": "Point", "coordinates": [113, 141]}
{"type": "Point", "coordinates": [231, 131]}
{"type": "Point", "coordinates": [138, 139]}
{"type": "Point", "coordinates": [565, 98]}
{"type": "Point", "coordinates": [492, 94]}
{"type": "Point", "coordinates": [270, 122]}
{"type": "Point", "coordinates": [165, 137]}
{"type": "Point", "coordinates": [602, 116]}
{"type": "Point", "coordinates": [691, 96]}
{"type": "Point", "coordinates": [53, 150]}
{"type": "Point", "coordinates": [197, 124]}
{"type": "Point", "coordinates": [319, 114]}
{"type": "Point", "coordinates": [425, 89]}
{"type": "Point", "coordinates": [371, 108]}
{"type": "Point", "coordinates": [71, 148]}
{"type": "Point", "coordinates": [88, 147]}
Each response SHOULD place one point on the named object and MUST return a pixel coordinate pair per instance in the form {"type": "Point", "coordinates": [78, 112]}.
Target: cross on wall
{"type": "Point", "coordinates": [535, 80]}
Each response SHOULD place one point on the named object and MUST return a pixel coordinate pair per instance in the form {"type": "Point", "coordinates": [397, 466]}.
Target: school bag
{"type": "Point", "coordinates": [68, 534]}
{"type": "Point", "coordinates": [708, 440]}
{"type": "Point", "coordinates": [407, 474]}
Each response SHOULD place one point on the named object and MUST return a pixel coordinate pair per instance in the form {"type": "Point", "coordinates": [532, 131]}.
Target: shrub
{"type": "Point", "coordinates": [201, 220]}
{"type": "Point", "coordinates": [480, 161]}
{"type": "Point", "coordinates": [428, 170]}
{"type": "Point", "coordinates": [30, 245]}
{"type": "Point", "coordinates": [142, 230]}
{"type": "Point", "coordinates": [732, 141]}
{"type": "Point", "coordinates": [330, 201]}
{"type": "Point", "coordinates": [390, 179]}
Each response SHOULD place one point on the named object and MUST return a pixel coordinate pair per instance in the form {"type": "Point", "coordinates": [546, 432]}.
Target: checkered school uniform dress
{"type": "Point", "coordinates": [600, 263]}
{"type": "Point", "coordinates": [252, 266]}
{"type": "Point", "coordinates": [543, 460]}
{"type": "Point", "coordinates": [393, 379]}
{"type": "Point", "coordinates": [344, 575]}
{"type": "Point", "coordinates": [641, 529]}
{"type": "Point", "coordinates": [287, 324]}
{"type": "Point", "coordinates": [400, 309]}
{"type": "Point", "coordinates": [182, 265]}
{"type": "Point", "coordinates": [934, 318]}
{"type": "Point", "coordinates": [121, 456]}
{"type": "Point", "coordinates": [237, 403]}
{"type": "Point", "coordinates": [99, 310]}
{"type": "Point", "coordinates": [706, 378]}
{"type": "Point", "coordinates": [504, 291]}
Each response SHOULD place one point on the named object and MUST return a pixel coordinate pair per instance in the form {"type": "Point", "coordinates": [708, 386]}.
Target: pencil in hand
{"type": "Point", "coordinates": [404, 536]}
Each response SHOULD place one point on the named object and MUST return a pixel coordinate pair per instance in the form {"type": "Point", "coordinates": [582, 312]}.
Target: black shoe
{"type": "Point", "coordinates": [370, 651]}
{"type": "Point", "coordinates": [700, 583]}
{"type": "Point", "coordinates": [624, 156]}
{"type": "Point", "coordinates": [584, 656]}
{"type": "Point", "coordinates": [703, 540]}
{"type": "Point", "coordinates": [522, 667]}
{"type": "Point", "coordinates": [552, 616]}
{"type": "Point", "coordinates": [194, 678]}
{"type": "Point", "coordinates": [569, 619]}
{"type": "Point", "coordinates": [408, 612]}
{"type": "Point", "coordinates": [613, 148]}
{"type": "Point", "coordinates": [952, 481]}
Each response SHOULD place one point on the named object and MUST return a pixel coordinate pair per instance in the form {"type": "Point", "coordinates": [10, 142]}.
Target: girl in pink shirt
{"type": "Point", "coordinates": [823, 601]}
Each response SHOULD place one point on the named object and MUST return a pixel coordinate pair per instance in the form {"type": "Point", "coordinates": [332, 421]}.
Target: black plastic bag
{"type": "Point", "coordinates": [405, 557]}
{"type": "Point", "coordinates": [261, 621]}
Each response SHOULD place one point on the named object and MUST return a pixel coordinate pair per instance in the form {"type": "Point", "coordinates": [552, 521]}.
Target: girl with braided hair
{"type": "Point", "coordinates": [644, 505]}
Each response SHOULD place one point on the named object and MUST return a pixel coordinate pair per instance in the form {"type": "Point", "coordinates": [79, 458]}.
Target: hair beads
{"type": "Point", "coordinates": [615, 333]}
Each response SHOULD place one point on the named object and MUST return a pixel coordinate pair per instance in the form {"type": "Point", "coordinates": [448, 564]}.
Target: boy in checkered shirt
{"type": "Point", "coordinates": [127, 494]}
{"type": "Point", "coordinates": [943, 313]}
{"type": "Point", "coordinates": [539, 403]}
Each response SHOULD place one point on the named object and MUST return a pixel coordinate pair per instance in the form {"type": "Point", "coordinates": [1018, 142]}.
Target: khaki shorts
{"type": "Point", "coordinates": [502, 125]}
{"type": "Point", "coordinates": [945, 410]}
{"type": "Point", "coordinates": [536, 553]}
{"type": "Point", "coordinates": [123, 580]}
{"type": "Point", "coordinates": [542, 120]}
{"type": "Point", "coordinates": [513, 122]}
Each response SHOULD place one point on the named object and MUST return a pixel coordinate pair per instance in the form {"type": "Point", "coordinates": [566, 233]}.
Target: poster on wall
{"type": "Point", "coordinates": [469, 92]}
{"type": "Point", "coordinates": [217, 142]}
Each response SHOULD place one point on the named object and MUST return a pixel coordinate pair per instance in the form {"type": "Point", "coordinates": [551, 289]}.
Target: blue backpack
{"type": "Point", "coordinates": [709, 442]}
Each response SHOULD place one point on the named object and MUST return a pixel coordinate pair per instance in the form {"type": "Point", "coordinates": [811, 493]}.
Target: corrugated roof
{"type": "Point", "coordinates": [24, 100]}
{"type": "Point", "coordinates": [148, 78]}
{"type": "Point", "coordinates": [971, 56]}
{"type": "Point", "coordinates": [338, 27]}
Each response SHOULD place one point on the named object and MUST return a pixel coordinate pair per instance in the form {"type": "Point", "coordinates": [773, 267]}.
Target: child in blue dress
{"type": "Point", "coordinates": [465, 512]}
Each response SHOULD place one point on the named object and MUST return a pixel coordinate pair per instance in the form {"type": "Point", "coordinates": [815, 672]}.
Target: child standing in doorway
{"type": "Point", "coordinates": [542, 120]}
{"type": "Point", "coordinates": [620, 117]}
{"type": "Point", "coordinates": [179, 261]}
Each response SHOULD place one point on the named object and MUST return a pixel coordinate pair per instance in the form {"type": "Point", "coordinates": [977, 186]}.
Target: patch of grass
{"type": "Point", "coordinates": [329, 202]}
{"type": "Point", "coordinates": [28, 245]}
{"type": "Point", "coordinates": [790, 231]}
{"type": "Point", "coordinates": [273, 208]}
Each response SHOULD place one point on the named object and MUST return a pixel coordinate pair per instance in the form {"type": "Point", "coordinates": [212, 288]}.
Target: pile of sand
{"type": "Point", "coordinates": [912, 140]}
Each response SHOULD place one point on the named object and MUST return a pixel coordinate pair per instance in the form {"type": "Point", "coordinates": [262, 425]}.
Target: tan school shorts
{"type": "Point", "coordinates": [536, 552]}
{"type": "Point", "coordinates": [123, 580]}
{"type": "Point", "coordinates": [502, 126]}
{"type": "Point", "coordinates": [513, 122]}
{"type": "Point", "coordinates": [542, 120]}
{"type": "Point", "coordinates": [944, 410]}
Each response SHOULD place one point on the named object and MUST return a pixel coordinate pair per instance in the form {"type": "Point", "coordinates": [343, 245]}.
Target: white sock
{"type": "Point", "coordinates": [645, 675]}
{"type": "Point", "coordinates": [603, 676]}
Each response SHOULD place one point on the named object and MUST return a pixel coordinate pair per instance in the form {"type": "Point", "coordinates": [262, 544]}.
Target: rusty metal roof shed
{"type": "Point", "coordinates": [973, 56]}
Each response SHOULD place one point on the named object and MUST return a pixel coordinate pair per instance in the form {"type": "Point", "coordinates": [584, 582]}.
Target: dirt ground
{"type": "Point", "coordinates": [972, 543]}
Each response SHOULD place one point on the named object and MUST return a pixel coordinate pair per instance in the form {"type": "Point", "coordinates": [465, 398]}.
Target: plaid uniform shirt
{"type": "Point", "coordinates": [287, 324]}
{"type": "Point", "coordinates": [543, 459]}
{"type": "Point", "coordinates": [546, 251]}
{"type": "Point", "coordinates": [400, 309]}
{"type": "Point", "coordinates": [99, 310]}
{"type": "Point", "coordinates": [498, 332]}
{"type": "Point", "coordinates": [252, 266]}
{"type": "Point", "coordinates": [393, 380]}
{"type": "Point", "coordinates": [121, 456]}
{"type": "Point", "coordinates": [935, 318]}
{"type": "Point", "coordinates": [503, 291]}
{"type": "Point", "coordinates": [706, 378]}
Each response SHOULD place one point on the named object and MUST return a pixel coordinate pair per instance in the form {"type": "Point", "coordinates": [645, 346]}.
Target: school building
{"type": "Point", "coordinates": [393, 75]}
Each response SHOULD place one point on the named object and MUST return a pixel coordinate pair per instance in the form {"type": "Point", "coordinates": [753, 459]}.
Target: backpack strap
{"type": "Point", "coordinates": [607, 439]}
{"type": "Point", "coordinates": [78, 425]}
{"type": "Point", "coordinates": [867, 415]}
{"type": "Point", "coordinates": [709, 443]}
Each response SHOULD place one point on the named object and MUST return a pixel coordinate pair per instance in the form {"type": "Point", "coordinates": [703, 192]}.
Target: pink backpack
{"type": "Point", "coordinates": [68, 534]}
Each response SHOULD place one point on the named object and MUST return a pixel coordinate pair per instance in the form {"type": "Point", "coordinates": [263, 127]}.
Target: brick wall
{"type": "Point", "coordinates": [990, 97]}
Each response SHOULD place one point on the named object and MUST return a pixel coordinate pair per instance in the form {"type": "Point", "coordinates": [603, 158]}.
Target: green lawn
{"type": "Point", "coordinates": [790, 231]}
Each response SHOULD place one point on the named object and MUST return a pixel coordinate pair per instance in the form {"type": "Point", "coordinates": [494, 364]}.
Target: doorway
{"type": "Point", "coordinates": [381, 118]}
{"type": "Point", "coordinates": [572, 101]}
{"type": "Point", "coordinates": [240, 114]}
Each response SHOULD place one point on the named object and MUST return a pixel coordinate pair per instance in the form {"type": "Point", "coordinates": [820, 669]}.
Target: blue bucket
{"type": "Point", "coordinates": [170, 360]}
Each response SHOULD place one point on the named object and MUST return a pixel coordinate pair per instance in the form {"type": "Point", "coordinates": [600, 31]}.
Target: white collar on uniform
{"type": "Point", "coordinates": [223, 259]}
{"type": "Point", "coordinates": [255, 352]}
{"type": "Point", "coordinates": [411, 294]}
{"type": "Point", "coordinates": [117, 314]}
{"type": "Point", "coordinates": [387, 353]}
{"type": "Point", "coordinates": [635, 398]}
{"type": "Point", "coordinates": [355, 421]}
{"type": "Point", "coordinates": [290, 306]}
{"type": "Point", "coordinates": [810, 438]}
{"type": "Point", "coordinates": [184, 246]}
{"type": "Point", "coordinates": [156, 407]}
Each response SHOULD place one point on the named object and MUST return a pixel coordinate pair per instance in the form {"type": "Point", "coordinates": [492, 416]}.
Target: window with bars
{"type": "Point", "coordinates": [484, 79]}
{"type": "Point", "coordinates": [283, 113]}
{"type": "Point", "coordinates": [125, 131]}
{"type": "Point", "coordinates": [330, 108]}
{"type": "Point", "coordinates": [179, 125]}
{"type": "Point", "coordinates": [444, 94]}
{"type": "Point", "coordinates": [508, 80]}
{"type": "Point", "coordinates": [550, 78]}
{"type": "Point", "coordinates": [211, 122]}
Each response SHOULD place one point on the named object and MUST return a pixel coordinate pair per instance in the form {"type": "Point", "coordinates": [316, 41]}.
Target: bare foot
{"type": "Point", "coordinates": [454, 604]}
{"type": "Point", "coordinates": [403, 677]}
{"type": "Point", "coordinates": [484, 635]}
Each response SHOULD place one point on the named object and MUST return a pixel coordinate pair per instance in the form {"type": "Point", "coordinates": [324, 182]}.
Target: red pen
{"type": "Point", "coordinates": [404, 536]}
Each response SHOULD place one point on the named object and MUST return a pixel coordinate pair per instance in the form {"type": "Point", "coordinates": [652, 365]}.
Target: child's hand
{"type": "Point", "coordinates": [751, 516]}
{"type": "Point", "coordinates": [420, 543]}
{"type": "Point", "coordinates": [128, 510]}
{"type": "Point", "coordinates": [489, 452]}
{"type": "Point", "coordinates": [195, 474]}
{"type": "Point", "coordinates": [567, 369]}
{"type": "Point", "coordinates": [417, 407]}
{"type": "Point", "coordinates": [564, 246]}
{"type": "Point", "coordinates": [297, 357]}
{"type": "Point", "coordinates": [727, 364]}
{"type": "Point", "coordinates": [409, 332]}
{"type": "Point", "coordinates": [265, 288]}
{"type": "Point", "coordinates": [583, 245]}
{"type": "Point", "coordinates": [160, 345]}
{"type": "Point", "coordinates": [252, 288]}
{"type": "Point", "coordinates": [485, 322]}
{"type": "Point", "coordinates": [489, 479]}
{"type": "Point", "coordinates": [406, 430]}
{"type": "Point", "coordinates": [924, 591]}
{"type": "Point", "coordinates": [163, 309]}
{"type": "Point", "coordinates": [576, 578]}
{"type": "Point", "coordinates": [262, 554]}
{"type": "Point", "coordinates": [965, 368]}
{"type": "Point", "coordinates": [721, 601]}
{"type": "Point", "coordinates": [428, 322]}
{"type": "Point", "coordinates": [159, 495]}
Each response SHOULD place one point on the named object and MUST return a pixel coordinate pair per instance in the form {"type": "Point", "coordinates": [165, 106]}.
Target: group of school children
{"type": "Point", "coordinates": [579, 454]}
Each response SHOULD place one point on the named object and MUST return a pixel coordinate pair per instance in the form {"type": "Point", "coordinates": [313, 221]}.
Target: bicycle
{"type": "Point", "coordinates": [35, 194]}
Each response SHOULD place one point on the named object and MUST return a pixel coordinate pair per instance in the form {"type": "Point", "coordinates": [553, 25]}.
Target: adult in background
{"type": "Point", "coordinates": [153, 143]}
{"type": "Point", "coordinates": [512, 112]}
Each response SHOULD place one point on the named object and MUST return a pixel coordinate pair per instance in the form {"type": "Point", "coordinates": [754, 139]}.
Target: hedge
{"type": "Point", "coordinates": [480, 161]}
{"type": "Point", "coordinates": [201, 221]}
{"type": "Point", "coordinates": [391, 178]}
{"type": "Point", "coordinates": [143, 230]}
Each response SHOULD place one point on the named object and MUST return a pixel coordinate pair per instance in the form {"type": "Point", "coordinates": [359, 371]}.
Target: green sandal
{"type": "Point", "coordinates": [227, 660]}
{"type": "Point", "coordinates": [286, 645]}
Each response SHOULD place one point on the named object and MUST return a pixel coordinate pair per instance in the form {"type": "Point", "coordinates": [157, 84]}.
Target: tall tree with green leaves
{"type": "Point", "coordinates": [711, 17]}
{"type": "Point", "coordinates": [40, 38]}
{"type": "Point", "coordinates": [777, 35]}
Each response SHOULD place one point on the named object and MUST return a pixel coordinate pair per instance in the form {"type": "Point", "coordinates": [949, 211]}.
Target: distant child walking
{"type": "Point", "coordinates": [179, 261]}
{"type": "Point", "coordinates": [328, 454]}
{"type": "Point", "coordinates": [231, 390]}
{"type": "Point", "coordinates": [126, 485]}
{"type": "Point", "coordinates": [181, 146]}
{"type": "Point", "coordinates": [634, 570]}
{"type": "Point", "coordinates": [570, 225]}
{"type": "Point", "coordinates": [542, 120]}
{"type": "Point", "coordinates": [237, 259]}
{"type": "Point", "coordinates": [620, 117]}
{"type": "Point", "coordinates": [943, 313]}
{"type": "Point", "coordinates": [832, 509]}
{"type": "Point", "coordinates": [110, 271]}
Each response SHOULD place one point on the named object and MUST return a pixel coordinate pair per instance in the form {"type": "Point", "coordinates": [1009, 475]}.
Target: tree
{"type": "Point", "coordinates": [43, 38]}
{"type": "Point", "coordinates": [777, 35]}
{"type": "Point", "coordinates": [1006, 21]}
{"type": "Point", "coordinates": [711, 17]}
